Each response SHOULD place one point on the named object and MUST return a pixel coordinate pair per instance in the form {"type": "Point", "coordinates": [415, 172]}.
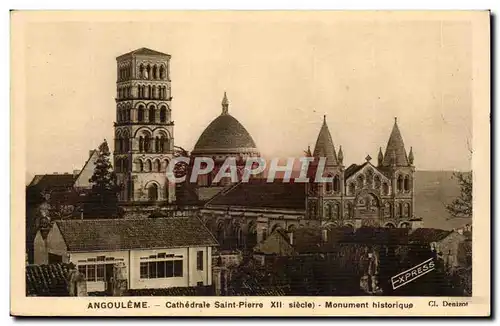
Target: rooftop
{"type": "Point", "coordinates": [264, 195]}
{"type": "Point", "coordinates": [144, 51]}
{"type": "Point", "coordinates": [124, 234]}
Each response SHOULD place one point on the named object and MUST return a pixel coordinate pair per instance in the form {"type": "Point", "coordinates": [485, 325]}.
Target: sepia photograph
{"type": "Point", "coordinates": [251, 162]}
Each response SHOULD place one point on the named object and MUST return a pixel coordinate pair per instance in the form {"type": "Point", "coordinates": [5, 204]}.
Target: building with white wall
{"type": "Point", "coordinates": [157, 252]}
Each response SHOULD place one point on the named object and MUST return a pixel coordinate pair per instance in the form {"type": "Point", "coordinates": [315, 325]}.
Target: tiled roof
{"type": "Point", "coordinates": [52, 181]}
{"type": "Point", "coordinates": [426, 235]}
{"type": "Point", "coordinates": [265, 195]}
{"type": "Point", "coordinates": [123, 234]}
{"type": "Point", "coordinates": [395, 148]}
{"type": "Point", "coordinates": [172, 292]}
{"type": "Point", "coordinates": [47, 280]}
{"type": "Point", "coordinates": [324, 145]}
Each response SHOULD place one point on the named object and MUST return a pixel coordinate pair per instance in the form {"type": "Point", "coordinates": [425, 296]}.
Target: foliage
{"type": "Point", "coordinates": [462, 205]}
{"type": "Point", "coordinates": [102, 200]}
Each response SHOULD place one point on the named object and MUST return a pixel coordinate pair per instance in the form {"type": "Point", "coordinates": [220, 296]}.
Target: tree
{"type": "Point", "coordinates": [102, 200]}
{"type": "Point", "coordinates": [462, 205]}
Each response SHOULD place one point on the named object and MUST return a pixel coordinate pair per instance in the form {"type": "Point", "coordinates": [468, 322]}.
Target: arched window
{"type": "Point", "coordinates": [350, 212]}
{"type": "Point", "coordinates": [385, 188]}
{"type": "Point", "coordinates": [125, 165]}
{"type": "Point", "coordinates": [400, 210]}
{"type": "Point", "coordinates": [148, 72]}
{"type": "Point", "coordinates": [120, 144]}
{"type": "Point", "coordinates": [405, 225]}
{"type": "Point", "coordinates": [328, 213]}
{"type": "Point", "coordinates": [407, 210]}
{"type": "Point", "coordinates": [126, 143]}
{"type": "Point", "coordinates": [141, 144]}
{"type": "Point", "coordinates": [141, 70]}
{"type": "Point", "coordinates": [164, 146]}
{"type": "Point", "coordinates": [336, 183]}
{"type": "Point", "coordinates": [387, 210]}
{"type": "Point", "coordinates": [140, 166]}
{"type": "Point", "coordinates": [361, 181]}
{"type": "Point", "coordinates": [157, 144]}
{"type": "Point", "coordinates": [163, 114]}
{"type": "Point", "coordinates": [328, 185]}
{"type": "Point", "coordinates": [162, 72]}
{"type": "Point", "coordinates": [147, 144]}
{"type": "Point", "coordinates": [140, 113]}
{"type": "Point", "coordinates": [153, 90]}
{"type": "Point", "coordinates": [129, 113]}
{"type": "Point", "coordinates": [407, 183]}
{"type": "Point", "coordinates": [155, 72]}
{"type": "Point", "coordinates": [400, 183]}
{"type": "Point", "coordinates": [336, 211]}
{"type": "Point", "coordinates": [352, 188]}
{"type": "Point", "coordinates": [165, 165]}
{"type": "Point", "coordinates": [149, 168]}
{"type": "Point", "coordinates": [153, 192]}
{"type": "Point", "coordinates": [152, 114]}
{"type": "Point", "coordinates": [156, 165]}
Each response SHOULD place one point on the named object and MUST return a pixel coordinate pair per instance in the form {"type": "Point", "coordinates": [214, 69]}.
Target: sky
{"type": "Point", "coordinates": [281, 76]}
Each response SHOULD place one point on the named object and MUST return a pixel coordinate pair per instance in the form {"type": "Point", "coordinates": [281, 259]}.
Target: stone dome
{"type": "Point", "coordinates": [225, 135]}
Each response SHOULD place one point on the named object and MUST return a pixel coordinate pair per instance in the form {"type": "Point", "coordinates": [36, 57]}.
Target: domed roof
{"type": "Point", "coordinates": [225, 134]}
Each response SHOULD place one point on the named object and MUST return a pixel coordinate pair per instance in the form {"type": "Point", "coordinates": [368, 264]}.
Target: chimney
{"type": "Point", "coordinates": [324, 235]}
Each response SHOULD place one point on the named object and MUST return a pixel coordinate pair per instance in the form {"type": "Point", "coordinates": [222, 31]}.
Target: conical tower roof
{"type": "Point", "coordinates": [324, 145]}
{"type": "Point", "coordinates": [395, 148]}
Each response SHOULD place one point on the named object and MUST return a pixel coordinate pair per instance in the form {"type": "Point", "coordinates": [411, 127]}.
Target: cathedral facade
{"type": "Point", "coordinates": [243, 214]}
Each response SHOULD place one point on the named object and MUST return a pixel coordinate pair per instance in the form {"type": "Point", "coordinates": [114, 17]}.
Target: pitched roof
{"type": "Point", "coordinates": [395, 147]}
{"type": "Point", "coordinates": [47, 280]}
{"type": "Point", "coordinates": [144, 51]}
{"type": "Point", "coordinates": [324, 145]}
{"type": "Point", "coordinates": [352, 169]}
{"type": "Point", "coordinates": [52, 181]}
{"type": "Point", "coordinates": [427, 235]}
{"type": "Point", "coordinates": [265, 195]}
{"type": "Point", "coordinates": [123, 234]}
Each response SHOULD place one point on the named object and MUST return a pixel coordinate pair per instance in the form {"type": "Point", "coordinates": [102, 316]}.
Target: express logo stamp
{"type": "Point", "coordinates": [412, 274]}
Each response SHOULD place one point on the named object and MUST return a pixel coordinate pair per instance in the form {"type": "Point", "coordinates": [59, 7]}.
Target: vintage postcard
{"type": "Point", "coordinates": [239, 163]}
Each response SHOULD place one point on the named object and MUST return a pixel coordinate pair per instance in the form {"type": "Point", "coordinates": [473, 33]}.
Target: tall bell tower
{"type": "Point", "coordinates": [144, 131]}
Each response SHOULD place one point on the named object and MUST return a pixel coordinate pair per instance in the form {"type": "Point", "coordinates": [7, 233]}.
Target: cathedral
{"type": "Point", "coordinates": [240, 215]}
